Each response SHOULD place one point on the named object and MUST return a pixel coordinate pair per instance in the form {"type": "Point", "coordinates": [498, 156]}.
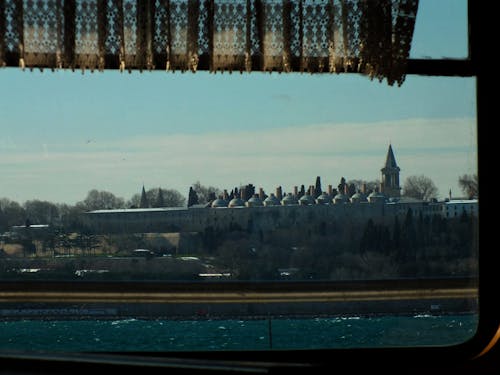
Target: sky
{"type": "Point", "coordinates": [64, 133]}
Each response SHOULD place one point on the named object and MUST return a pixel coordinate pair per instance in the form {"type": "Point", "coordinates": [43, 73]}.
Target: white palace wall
{"type": "Point", "coordinates": [246, 218]}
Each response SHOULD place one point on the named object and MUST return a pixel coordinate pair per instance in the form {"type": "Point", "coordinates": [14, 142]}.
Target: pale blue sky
{"type": "Point", "coordinates": [64, 133]}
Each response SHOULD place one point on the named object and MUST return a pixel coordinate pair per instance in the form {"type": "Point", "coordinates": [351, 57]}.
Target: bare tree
{"type": "Point", "coordinates": [99, 200]}
{"type": "Point", "coordinates": [71, 216]}
{"type": "Point", "coordinates": [172, 198]}
{"type": "Point", "coordinates": [203, 192]}
{"type": "Point", "coordinates": [469, 185]}
{"type": "Point", "coordinates": [11, 213]}
{"type": "Point", "coordinates": [420, 187]}
{"type": "Point", "coordinates": [135, 201]}
{"type": "Point", "coordinates": [41, 212]}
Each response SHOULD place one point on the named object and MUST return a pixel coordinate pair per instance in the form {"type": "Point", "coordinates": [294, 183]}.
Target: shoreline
{"type": "Point", "coordinates": [236, 311]}
{"type": "Point", "coordinates": [51, 300]}
{"type": "Point", "coordinates": [231, 318]}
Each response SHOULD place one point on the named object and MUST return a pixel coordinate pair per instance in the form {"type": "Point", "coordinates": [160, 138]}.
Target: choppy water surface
{"type": "Point", "coordinates": [256, 334]}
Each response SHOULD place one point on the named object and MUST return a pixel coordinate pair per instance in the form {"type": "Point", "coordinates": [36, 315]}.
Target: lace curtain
{"type": "Point", "coordinates": [371, 37]}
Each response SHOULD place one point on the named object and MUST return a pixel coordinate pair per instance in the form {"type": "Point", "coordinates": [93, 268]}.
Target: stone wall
{"type": "Point", "coordinates": [245, 218]}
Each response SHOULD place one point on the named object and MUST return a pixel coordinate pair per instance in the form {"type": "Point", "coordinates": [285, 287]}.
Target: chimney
{"type": "Point", "coordinates": [225, 196]}
{"type": "Point", "coordinates": [295, 191]}
{"type": "Point", "coordinates": [279, 193]}
{"type": "Point", "coordinates": [330, 190]}
{"type": "Point", "coordinates": [261, 193]}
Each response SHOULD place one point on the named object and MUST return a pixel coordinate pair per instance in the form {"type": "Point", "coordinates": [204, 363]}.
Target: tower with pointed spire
{"type": "Point", "coordinates": [144, 199]}
{"type": "Point", "coordinates": [390, 176]}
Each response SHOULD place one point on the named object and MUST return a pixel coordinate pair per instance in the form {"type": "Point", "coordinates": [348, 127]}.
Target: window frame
{"type": "Point", "coordinates": [477, 353]}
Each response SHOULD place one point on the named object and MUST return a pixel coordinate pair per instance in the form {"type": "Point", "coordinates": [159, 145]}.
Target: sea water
{"type": "Point", "coordinates": [161, 335]}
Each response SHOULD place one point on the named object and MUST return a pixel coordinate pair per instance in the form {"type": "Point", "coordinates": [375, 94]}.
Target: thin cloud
{"type": "Point", "coordinates": [441, 149]}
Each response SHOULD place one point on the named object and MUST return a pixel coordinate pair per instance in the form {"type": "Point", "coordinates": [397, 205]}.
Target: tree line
{"type": "Point", "coordinates": [65, 215]}
{"type": "Point", "coordinates": [407, 246]}
{"type": "Point", "coordinates": [61, 214]}
{"type": "Point", "coordinates": [413, 245]}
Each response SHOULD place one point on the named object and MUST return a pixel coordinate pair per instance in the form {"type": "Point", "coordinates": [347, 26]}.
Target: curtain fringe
{"type": "Point", "coordinates": [372, 38]}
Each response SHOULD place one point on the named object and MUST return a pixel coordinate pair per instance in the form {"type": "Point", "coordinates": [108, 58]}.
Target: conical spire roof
{"type": "Point", "coordinates": [144, 199]}
{"type": "Point", "coordinates": [390, 160]}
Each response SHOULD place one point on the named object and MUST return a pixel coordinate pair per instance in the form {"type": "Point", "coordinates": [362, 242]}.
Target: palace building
{"type": "Point", "coordinates": [243, 208]}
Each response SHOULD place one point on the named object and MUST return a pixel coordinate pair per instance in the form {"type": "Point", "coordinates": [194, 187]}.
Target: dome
{"type": "Point", "coordinates": [358, 197]}
{"type": "Point", "coordinates": [271, 201]}
{"type": "Point", "coordinates": [255, 201]}
{"type": "Point", "coordinates": [288, 200]}
{"type": "Point", "coordinates": [219, 203]}
{"type": "Point", "coordinates": [236, 202]}
{"type": "Point", "coordinates": [375, 197]}
{"type": "Point", "coordinates": [306, 199]}
{"type": "Point", "coordinates": [324, 198]}
{"type": "Point", "coordinates": [340, 198]}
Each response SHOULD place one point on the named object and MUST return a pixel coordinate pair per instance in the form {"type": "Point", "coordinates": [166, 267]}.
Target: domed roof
{"type": "Point", "coordinates": [340, 198]}
{"type": "Point", "coordinates": [358, 197]}
{"type": "Point", "coordinates": [271, 200]}
{"type": "Point", "coordinates": [324, 198]}
{"type": "Point", "coordinates": [219, 202]}
{"type": "Point", "coordinates": [289, 199]}
{"type": "Point", "coordinates": [376, 196]}
{"type": "Point", "coordinates": [236, 202]}
{"type": "Point", "coordinates": [306, 199]}
{"type": "Point", "coordinates": [255, 201]}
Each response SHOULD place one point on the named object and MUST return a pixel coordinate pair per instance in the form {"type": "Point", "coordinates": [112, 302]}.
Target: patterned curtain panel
{"type": "Point", "coordinates": [371, 37]}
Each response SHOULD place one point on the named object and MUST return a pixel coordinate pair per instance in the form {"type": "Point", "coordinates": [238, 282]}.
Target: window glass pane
{"type": "Point", "coordinates": [380, 165]}
{"type": "Point", "coordinates": [441, 30]}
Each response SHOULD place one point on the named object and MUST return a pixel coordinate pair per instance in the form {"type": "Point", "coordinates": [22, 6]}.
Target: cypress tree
{"type": "Point", "coordinates": [368, 239]}
{"type": "Point", "coordinates": [317, 188]}
{"type": "Point", "coordinates": [396, 235]}
{"type": "Point", "coordinates": [160, 202]}
{"type": "Point", "coordinates": [409, 236]}
{"type": "Point", "coordinates": [192, 197]}
{"type": "Point", "coordinates": [144, 199]}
